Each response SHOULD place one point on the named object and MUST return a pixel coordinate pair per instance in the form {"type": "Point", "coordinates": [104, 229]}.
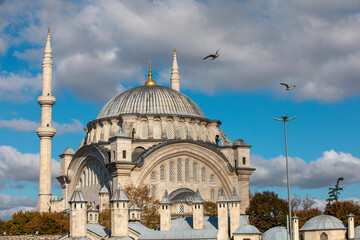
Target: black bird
{"type": "Point", "coordinates": [287, 86]}
{"type": "Point", "coordinates": [213, 56]}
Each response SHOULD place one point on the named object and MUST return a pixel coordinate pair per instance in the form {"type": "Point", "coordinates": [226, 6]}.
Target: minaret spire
{"type": "Point", "coordinates": [175, 78]}
{"type": "Point", "coordinates": [46, 131]}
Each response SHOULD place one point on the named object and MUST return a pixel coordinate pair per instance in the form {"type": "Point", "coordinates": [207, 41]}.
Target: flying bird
{"type": "Point", "coordinates": [213, 56]}
{"type": "Point", "coordinates": [287, 86]}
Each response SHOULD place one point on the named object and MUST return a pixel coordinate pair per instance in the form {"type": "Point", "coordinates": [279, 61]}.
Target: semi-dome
{"type": "Point", "coordinates": [151, 100]}
{"type": "Point", "coordinates": [323, 222]}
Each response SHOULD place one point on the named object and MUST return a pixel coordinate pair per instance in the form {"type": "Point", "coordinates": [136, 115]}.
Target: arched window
{"type": "Point", "coordinates": [181, 208]}
{"type": "Point", "coordinates": [195, 173]}
{"type": "Point", "coordinates": [212, 179]}
{"type": "Point", "coordinates": [90, 217]}
{"type": "Point", "coordinates": [191, 131]}
{"type": "Point", "coordinates": [179, 171]}
{"type": "Point", "coordinates": [144, 129]}
{"type": "Point", "coordinates": [169, 130]}
{"type": "Point", "coordinates": [153, 176]}
{"type": "Point", "coordinates": [133, 216]}
{"type": "Point", "coordinates": [220, 192]}
{"type": "Point", "coordinates": [323, 236]}
{"type": "Point", "coordinates": [153, 192]}
{"type": "Point", "coordinates": [182, 130]}
{"type": "Point", "coordinates": [171, 171]}
{"type": "Point", "coordinates": [187, 170]}
{"type": "Point", "coordinates": [203, 174]}
{"type": "Point", "coordinates": [162, 173]}
{"type": "Point", "coordinates": [157, 129]}
{"type": "Point", "coordinates": [95, 217]}
{"type": "Point", "coordinates": [212, 195]}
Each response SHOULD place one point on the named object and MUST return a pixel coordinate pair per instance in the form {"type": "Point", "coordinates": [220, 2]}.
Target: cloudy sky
{"type": "Point", "coordinates": [101, 48]}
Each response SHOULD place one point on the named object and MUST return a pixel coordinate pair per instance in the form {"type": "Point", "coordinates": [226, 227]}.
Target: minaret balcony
{"type": "Point", "coordinates": [45, 131]}
{"type": "Point", "coordinates": [46, 100]}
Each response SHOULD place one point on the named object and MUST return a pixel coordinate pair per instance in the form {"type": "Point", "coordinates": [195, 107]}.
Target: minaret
{"type": "Point", "coordinates": [45, 131]}
{"type": "Point", "coordinates": [175, 78]}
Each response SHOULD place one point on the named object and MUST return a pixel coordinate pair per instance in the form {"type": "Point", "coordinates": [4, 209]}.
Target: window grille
{"type": "Point", "coordinates": [203, 174]}
{"type": "Point", "coordinates": [323, 236]}
{"type": "Point", "coordinates": [212, 179]}
{"type": "Point", "coordinates": [179, 171]}
{"type": "Point", "coordinates": [212, 195]}
{"type": "Point", "coordinates": [195, 174]}
{"type": "Point", "coordinates": [187, 170]}
{"type": "Point", "coordinates": [153, 176]}
{"type": "Point", "coordinates": [153, 192]}
{"type": "Point", "coordinates": [199, 135]}
{"type": "Point", "coordinates": [191, 133]}
{"type": "Point", "coordinates": [171, 171]}
{"type": "Point", "coordinates": [181, 208]}
{"type": "Point", "coordinates": [182, 130]}
{"type": "Point", "coordinates": [169, 130]}
{"type": "Point", "coordinates": [162, 172]}
{"type": "Point", "coordinates": [157, 130]}
{"type": "Point", "coordinates": [144, 129]}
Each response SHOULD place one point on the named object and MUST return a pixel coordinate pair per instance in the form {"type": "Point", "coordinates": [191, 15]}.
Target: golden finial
{"type": "Point", "coordinates": [150, 81]}
{"type": "Point", "coordinates": [174, 49]}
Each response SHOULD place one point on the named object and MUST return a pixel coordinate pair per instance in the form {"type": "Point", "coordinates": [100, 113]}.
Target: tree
{"type": "Point", "coordinates": [140, 196]}
{"type": "Point", "coordinates": [308, 202]}
{"type": "Point", "coordinates": [335, 192]}
{"type": "Point", "coordinates": [105, 218]}
{"type": "Point", "coordinates": [267, 210]}
{"type": "Point", "coordinates": [295, 202]}
{"type": "Point", "coordinates": [210, 209]}
{"type": "Point", "coordinates": [342, 209]}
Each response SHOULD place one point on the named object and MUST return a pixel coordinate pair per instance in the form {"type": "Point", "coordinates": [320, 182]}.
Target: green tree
{"type": "Point", "coordinates": [342, 209]}
{"type": "Point", "coordinates": [334, 192]}
{"type": "Point", "coordinates": [140, 196]}
{"type": "Point", "coordinates": [267, 210]}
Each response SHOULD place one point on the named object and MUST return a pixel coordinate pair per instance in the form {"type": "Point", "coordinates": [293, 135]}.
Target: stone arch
{"type": "Point", "coordinates": [202, 154]}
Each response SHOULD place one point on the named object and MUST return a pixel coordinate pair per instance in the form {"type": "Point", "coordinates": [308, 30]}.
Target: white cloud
{"type": "Point", "coordinates": [11, 204]}
{"type": "Point", "coordinates": [24, 125]}
{"type": "Point", "coordinates": [108, 43]}
{"type": "Point", "coordinates": [19, 88]}
{"type": "Point", "coordinates": [316, 174]}
{"type": "Point", "coordinates": [11, 160]}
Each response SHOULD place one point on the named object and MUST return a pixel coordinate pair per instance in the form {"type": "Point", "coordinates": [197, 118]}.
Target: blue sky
{"type": "Point", "coordinates": [101, 48]}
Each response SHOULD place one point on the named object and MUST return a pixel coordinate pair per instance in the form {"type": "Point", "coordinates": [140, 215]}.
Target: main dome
{"type": "Point", "coordinates": [151, 100]}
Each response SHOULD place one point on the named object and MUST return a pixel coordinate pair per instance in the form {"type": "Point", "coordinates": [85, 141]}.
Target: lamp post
{"type": "Point", "coordinates": [284, 120]}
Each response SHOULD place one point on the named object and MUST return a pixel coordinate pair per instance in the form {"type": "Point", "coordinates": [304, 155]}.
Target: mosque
{"type": "Point", "coordinates": [155, 136]}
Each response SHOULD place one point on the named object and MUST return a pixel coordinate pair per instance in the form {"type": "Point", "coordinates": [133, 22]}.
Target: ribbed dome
{"type": "Point", "coordinates": [278, 233]}
{"type": "Point", "coordinates": [323, 222]}
{"type": "Point", "coordinates": [151, 100]}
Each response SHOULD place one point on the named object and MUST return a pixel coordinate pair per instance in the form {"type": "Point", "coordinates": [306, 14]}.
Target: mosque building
{"type": "Point", "coordinates": [156, 136]}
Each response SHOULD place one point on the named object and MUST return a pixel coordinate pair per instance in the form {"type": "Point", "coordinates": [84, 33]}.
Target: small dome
{"type": "Point", "coordinates": [150, 100]}
{"type": "Point", "coordinates": [69, 151]}
{"type": "Point", "coordinates": [121, 133]}
{"type": "Point", "coordinates": [357, 233]}
{"type": "Point", "coordinates": [54, 198]}
{"type": "Point", "coordinates": [104, 189]}
{"type": "Point", "coordinates": [278, 233]}
{"type": "Point", "coordinates": [93, 209]}
{"type": "Point", "coordinates": [323, 222]}
{"type": "Point", "coordinates": [239, 142]}
{"type": "Point", "coordinates": [247, 229]}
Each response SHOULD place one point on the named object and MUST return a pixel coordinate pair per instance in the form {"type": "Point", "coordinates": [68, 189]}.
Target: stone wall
{"type": "Point", "coordinates": [30, 237]}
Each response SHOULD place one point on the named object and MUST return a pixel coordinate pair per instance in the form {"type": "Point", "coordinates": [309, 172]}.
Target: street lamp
{"type": "Point", "coordinates": [284, 120]}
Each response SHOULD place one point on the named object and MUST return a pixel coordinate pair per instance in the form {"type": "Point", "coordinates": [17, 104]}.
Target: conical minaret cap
{"type": "Point", "coordinates": [77, 196]}
{"type": "Point", "coordinates": [104, 190]}
{"type": "Point", "coordinates": [119, 195]}
{"type": "Point", "coordinates": [48, 52]}
{"type": "Point", "coordinates": [166, 198]}
{"type": "Point", "coordinates": [197, 198]}
{"type": "Point", "coordinates": [175, 78]}
{"type": "Point", "coordinates": [234, 196]}
{"type": "Point", "coordinates": [222, 198]}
